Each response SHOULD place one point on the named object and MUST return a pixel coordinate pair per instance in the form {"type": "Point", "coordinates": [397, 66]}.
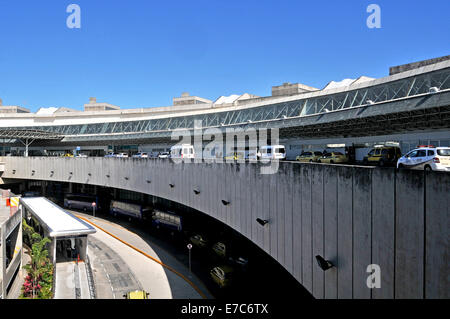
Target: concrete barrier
{"type": "Point", "coordinates": [352, 216]}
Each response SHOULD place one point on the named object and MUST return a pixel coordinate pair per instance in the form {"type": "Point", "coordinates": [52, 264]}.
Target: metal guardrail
{"type": "Point", "coordinates": [90, 278]}
{"type": "Point", "coordinates": [77, 281]}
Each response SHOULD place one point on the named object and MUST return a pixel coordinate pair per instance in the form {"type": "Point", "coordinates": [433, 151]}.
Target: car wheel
{"type": "Point", "coordinates": [331, 162]}
{"type": "Point", "coordinates": [427, 168]}
{"type": "Point", "coordinates": [310, 161]}
{"type": "Point", "coordinates": [319, 161]}
{"type": "Point", "coordinates": [381, 163]}
{"type": "Point", "coordinates": [365, 161]}
{"type": "Point", "coordinates": [400, 166]}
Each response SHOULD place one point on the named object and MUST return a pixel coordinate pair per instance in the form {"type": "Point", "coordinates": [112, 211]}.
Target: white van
{"type": "Point", "coordinates": [182, 151]}
{"type": "Point", "coordinates": [273, 152]}
{"type": "Point", "coordinates": [426, 157]}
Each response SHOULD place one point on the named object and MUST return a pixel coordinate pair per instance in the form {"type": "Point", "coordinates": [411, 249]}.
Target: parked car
{"type": "Point", "coordinates": [310, 157]}
{"type": "Point", "coordinates": [333, 157]}
{"type": "Point", "coordinates": [234, 156]}
{"type": "Point", "coordinates": [426, 157]}
{"type": "Point", "coordinates": [111, 154]}
{"type": "Point", "coordinates": [140, 155]}
{"type": "Point", "coordinates": [81, 155]}
{"type": "Point", "coordinates": [122, 155]}
{"type": "Point", "coordinates": [273, 152]}
{"type": "Point", "coordinates": [164, 155]}
{"type": "Point", "coordinates": [382, 156]}
{"type": "Point", "coordinates": [220, 249]}
{"type": "Point", "coordinates": [198, 240]}
{"type": "Point", "coordinates": [240, 262]}
{"type": "Point", "coordinates": [222, 275]}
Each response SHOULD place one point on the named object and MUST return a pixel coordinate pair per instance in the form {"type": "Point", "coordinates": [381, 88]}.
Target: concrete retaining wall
{"type": "Point", "coordinates": [352, 216]}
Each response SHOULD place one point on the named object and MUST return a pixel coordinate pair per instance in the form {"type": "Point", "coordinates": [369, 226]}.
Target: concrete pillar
{"type": "Point", "coordinates": [44, 188]}
{"type": "Point", "coordinates": [3, 262]}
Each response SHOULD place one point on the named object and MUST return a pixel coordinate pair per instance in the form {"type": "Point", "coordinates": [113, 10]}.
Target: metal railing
{"type": "Point", "coordinates": [90, 278]}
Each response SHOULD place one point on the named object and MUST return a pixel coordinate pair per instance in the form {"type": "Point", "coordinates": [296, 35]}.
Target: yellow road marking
{"type": "Point", "coordinates": [147, 255]}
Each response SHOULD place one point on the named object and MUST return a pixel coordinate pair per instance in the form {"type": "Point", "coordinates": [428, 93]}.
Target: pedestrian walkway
{"type": "Point", "coordinates": [112, 277]}
{"type": "Point", "coordinates": [71, 281]}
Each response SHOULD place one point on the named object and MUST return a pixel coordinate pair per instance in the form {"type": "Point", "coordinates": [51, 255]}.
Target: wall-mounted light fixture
{"type": "Point", "coordinates": [262, 222]}
{"type": "Point", "coordinates": [71, 173]}
{"type": "Point", "coordinates": [89, 174]}
{"type": "Point", "coordinates": [126, 178]}
{"type": "Point", "coordinates": [107, 175]}
{"type": "Point", "coordinates": [225, 202]}
{"type": "Point", "coordinates": [171, 185]}
{"type": "Point", "coordinates": [14, 171]}
{"type": "Point", "coordinates": [196, 191]}
{"type": "Point", "coordinates": [148, 181]}
{"type": "Point", "coordinates": [32, 172]}
{"type": "Point", "coordinates": [323, 264]}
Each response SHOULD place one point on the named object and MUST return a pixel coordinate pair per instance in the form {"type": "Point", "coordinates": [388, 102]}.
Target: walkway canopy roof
{"type": "Point", "coordinates": [29, 134]}
{"type": "Point", "coordinates": [58, 221]}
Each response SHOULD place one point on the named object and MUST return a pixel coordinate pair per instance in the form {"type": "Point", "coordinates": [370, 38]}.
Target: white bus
{"type": "Point", "coordinates": [166, 219]}
{"type": "Point", "coordinates": [136, 211]}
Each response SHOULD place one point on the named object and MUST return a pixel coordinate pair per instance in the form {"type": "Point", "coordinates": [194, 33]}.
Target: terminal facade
{"type": "Point", "coordinates": [407, 108]}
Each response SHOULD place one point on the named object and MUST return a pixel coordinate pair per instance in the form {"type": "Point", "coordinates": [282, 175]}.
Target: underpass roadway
{"type": "Point", "coordinates": [122, 261]}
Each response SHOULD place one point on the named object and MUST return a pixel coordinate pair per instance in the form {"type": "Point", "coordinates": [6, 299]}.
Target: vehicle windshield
{"type": "Point", "coordinates": [444, 152]}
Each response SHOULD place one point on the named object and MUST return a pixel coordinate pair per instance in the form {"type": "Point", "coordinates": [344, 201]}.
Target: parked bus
{"type": "Point", "coordinates": [81, 201]}
{"type": "Point", "coordinates": [129, 209]}
{"type": "Point", "coordinates": [166, 219]}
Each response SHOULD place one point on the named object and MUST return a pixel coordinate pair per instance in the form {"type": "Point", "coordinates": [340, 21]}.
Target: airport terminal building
{"type": "Point", "coordinates": [409, 107]}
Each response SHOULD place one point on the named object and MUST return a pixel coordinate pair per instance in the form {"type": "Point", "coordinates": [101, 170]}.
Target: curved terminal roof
{"type": "Point", "coordinates": [295, 110]}
{"type": "Point", "coordinates": [58, 221]}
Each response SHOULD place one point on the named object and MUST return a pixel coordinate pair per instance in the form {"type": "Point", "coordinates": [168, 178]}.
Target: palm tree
{"type": "Point", "coordinates": [38, 266]}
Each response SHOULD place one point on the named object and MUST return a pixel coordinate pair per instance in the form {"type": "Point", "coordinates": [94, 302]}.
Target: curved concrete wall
{"type": "Point", "coordinates": [352, 216]}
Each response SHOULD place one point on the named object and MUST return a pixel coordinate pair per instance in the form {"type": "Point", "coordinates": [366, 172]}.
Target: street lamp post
{"type": "Point", "coordinates": [189, 246]}
{"type": "Point", "coordinates": [93, 208]}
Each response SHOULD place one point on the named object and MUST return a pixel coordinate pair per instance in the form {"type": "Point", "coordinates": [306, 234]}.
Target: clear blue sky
{"type": "Point", "coordinates": [143, 53]}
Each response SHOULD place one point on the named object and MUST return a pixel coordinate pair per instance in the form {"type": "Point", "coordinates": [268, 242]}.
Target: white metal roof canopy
{"type": "Point", "coordinates": [58, 221]}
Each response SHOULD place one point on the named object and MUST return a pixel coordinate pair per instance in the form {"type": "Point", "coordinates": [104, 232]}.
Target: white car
{"type": "Point", "coordinates": [164, 155]}
{"type": "Point", "coordinates": [426, 158]}
{"type": "Point", "coordinates": [140, 155]}
{"type": "Point", "coordinates": [122, 155]}
{"type": "Point", "coordinates": [111, 154]}
{"type": "Point", "coordinates": [81, 155]}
